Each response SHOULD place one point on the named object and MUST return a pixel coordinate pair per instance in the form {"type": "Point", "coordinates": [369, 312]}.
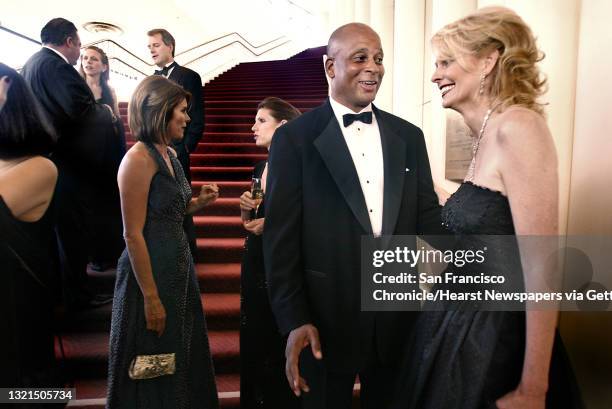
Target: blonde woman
{"type": "Point", "coordinates": [486, 69]}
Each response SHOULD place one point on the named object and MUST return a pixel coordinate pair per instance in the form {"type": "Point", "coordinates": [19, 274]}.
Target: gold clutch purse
{"type": "Point", "coordinates": [152, 366]}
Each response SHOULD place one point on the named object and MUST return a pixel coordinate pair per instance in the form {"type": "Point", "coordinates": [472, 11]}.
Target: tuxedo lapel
{"type": "Point", "coordinates": [335, 154]}
{"type": "Point", "coordinates": [175, 75]}
{"type": "Point", "coordinates": [394, 156]}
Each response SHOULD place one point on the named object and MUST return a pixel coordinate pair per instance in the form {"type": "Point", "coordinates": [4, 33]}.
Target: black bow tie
{"type": "Point", "coordinates": [164, 71]}
{"type": "Point", "coordinates": [365, 117]}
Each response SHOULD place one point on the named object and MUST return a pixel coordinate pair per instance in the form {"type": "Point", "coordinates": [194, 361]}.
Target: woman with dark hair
{"type": "Point", "coordinates": [262, 376]}
{"type": "Point", "coordinates": [28, 249]}
{"type": "Point", "coordinates": [159, 350]}
{"type": "Point", "coordinates": [95, 70]}
{"type": "Point", "coordinates": [108, 243]}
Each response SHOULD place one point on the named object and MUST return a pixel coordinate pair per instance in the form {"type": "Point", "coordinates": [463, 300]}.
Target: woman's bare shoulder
{"type": "Point", "coordinates": [39, 167]}
{"type": "Point", "coordinates": [138, 159]}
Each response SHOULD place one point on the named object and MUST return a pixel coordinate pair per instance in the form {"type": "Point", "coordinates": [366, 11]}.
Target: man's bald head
{"type": "Point", "coordinates": [354, 65]}
{"type": "Point", "coordinates": [345, 32]}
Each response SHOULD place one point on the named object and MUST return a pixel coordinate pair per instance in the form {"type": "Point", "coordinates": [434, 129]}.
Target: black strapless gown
{"type": "Point", "coordinates": [467, 359]}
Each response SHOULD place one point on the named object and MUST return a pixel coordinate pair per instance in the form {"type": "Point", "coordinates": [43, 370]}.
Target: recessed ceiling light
{"type": "Point", "coordinates": [101, 27]}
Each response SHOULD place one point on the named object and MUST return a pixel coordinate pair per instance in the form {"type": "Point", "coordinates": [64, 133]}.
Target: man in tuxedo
{"type": "Point", "coordinates": [84, 127]}
{"type": "Point", "coordinates": [162, 47]}
{"type": "Point", "coordinates": [341, 171]}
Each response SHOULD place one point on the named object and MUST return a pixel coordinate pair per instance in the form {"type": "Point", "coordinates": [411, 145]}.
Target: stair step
{"type": "Point", "coordinates": [219, 277]}
{"type": "Point", "coordinates": [222, 312]}
{"type": "Point", "coordinates": [215, 159]}
{"type": "Point", "coordinates": [270, 83]}
{"type": "Point", "coordinates": [220, 250]}
{"type": "Point", "coordinates": [222, 173]}
{"type": "Point", "coordinates": [219, 226]}
{"type": "Point", "coordinates": [233, 127]}
{"type": "Point", "coordinates": [227, 189]}
{"type": "Point", "coordinates": [228, 137]}
{"type": "Point", "coordinates": [249, 102]}
{"type": "Point", "coordinates": [298, 95]}
{"type": "Point", "coordinates": [230, 148]}
{"type": "Point", "coordinates": [224, 206]}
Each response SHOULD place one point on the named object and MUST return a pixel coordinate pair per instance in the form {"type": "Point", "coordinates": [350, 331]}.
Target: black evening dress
{"type": "Point", "coordinates": [29, 285]}
{"type": "Point", "coordinates": [465, 358]}
{"type": "Point", "coordinates": [107, 227]}
{"type": "Point", "coordinates": [193, 384]}
{"type": "Point", "coordinates": [262, 349]}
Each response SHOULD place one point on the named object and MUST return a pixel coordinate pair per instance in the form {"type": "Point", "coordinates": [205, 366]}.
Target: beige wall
{"type": "Point", "coordinates": [589, 336]}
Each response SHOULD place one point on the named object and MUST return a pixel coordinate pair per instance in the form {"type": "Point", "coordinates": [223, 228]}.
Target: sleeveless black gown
{"type": "Point", "coordinates": [193, 384]}
{"type": "Point", "coordinates": [467, 359]}
{"type": "Point", "coordinates": [107, 227]}
{"type": "Point", "coordinates": [263, 384]}
{"type": "Point", "coordinates": [29, 286]}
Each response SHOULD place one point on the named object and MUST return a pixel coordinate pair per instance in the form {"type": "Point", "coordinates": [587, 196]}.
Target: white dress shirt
{"type": "Point", "coordinates": [365, 146]}
{"type": "Point", "coordinates": [169, 71]}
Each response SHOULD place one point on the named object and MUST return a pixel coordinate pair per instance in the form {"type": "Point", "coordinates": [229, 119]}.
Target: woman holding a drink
{"type": "Point", "coordinates": [262, 374]}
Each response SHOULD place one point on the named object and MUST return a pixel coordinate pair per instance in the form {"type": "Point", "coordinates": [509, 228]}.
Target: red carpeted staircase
{"type": "Point", "coordinates": [226, 156]}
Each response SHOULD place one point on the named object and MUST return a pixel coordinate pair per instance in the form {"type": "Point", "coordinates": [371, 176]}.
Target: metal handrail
{"type": "Point", "coordinates": [233, 42]}
{"type": "Point", "coordinates": [128, 65]}
{"type": "Point", "coordinates": [8, 30]}
{"type": "Point", "coordinates": [182, 52]}
{"type": "Point", "coordinates": [197, 46]}
{"type": "Point", "coordinates": [227, 35]}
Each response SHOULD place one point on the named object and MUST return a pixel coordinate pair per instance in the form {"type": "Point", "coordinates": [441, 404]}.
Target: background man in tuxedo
{"type": "Point", "coordinates": [85, 132]}
{"type": "Point", "coordinates": [162, 47]}
{"type": "Point", "coordinates": [333, 177]}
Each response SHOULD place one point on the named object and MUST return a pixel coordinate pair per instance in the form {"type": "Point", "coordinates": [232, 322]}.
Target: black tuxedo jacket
{"type": "Point", "coordinates": [315, 217]}
{"type": "Point", "coordinates": [84, 127]}
{"type": "Point", "coordinates": [191, 81]}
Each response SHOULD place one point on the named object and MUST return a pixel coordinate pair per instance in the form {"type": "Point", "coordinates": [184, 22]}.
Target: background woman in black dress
{"type": "Point", "coordinates": [28, 250]}
{"type": "Point", "coordinates": [95, 69]}
{"type": "Point", "coordinates": [262, 349]}
{"type": "Point", "coordinates": [466, 358]}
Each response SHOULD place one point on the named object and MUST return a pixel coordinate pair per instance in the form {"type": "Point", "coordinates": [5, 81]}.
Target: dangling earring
{"type": "Point", "coordinates": [482, 81]}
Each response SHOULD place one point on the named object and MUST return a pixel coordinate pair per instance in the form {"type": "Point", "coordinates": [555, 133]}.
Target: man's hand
{"type": "Point", "coordinates": [5, 84]}
{"type": "Point", "coordinates": [299, 338]}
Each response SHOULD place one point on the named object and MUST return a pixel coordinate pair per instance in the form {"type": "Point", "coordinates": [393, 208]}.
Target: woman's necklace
{"type": "Point", "coordinates": [476, 144]}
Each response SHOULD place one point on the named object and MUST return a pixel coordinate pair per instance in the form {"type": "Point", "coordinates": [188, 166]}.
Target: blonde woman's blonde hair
{"type": "Point", "coordinates": [515, 79]}
{"type": "Point", "coordinates": [151, 107]}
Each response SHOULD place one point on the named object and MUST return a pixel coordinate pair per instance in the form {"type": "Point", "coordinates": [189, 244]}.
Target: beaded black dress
{"type": "Point", "coordinates": [193, 384]}
{"type": "Point", "coordinates": [467, 359]}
